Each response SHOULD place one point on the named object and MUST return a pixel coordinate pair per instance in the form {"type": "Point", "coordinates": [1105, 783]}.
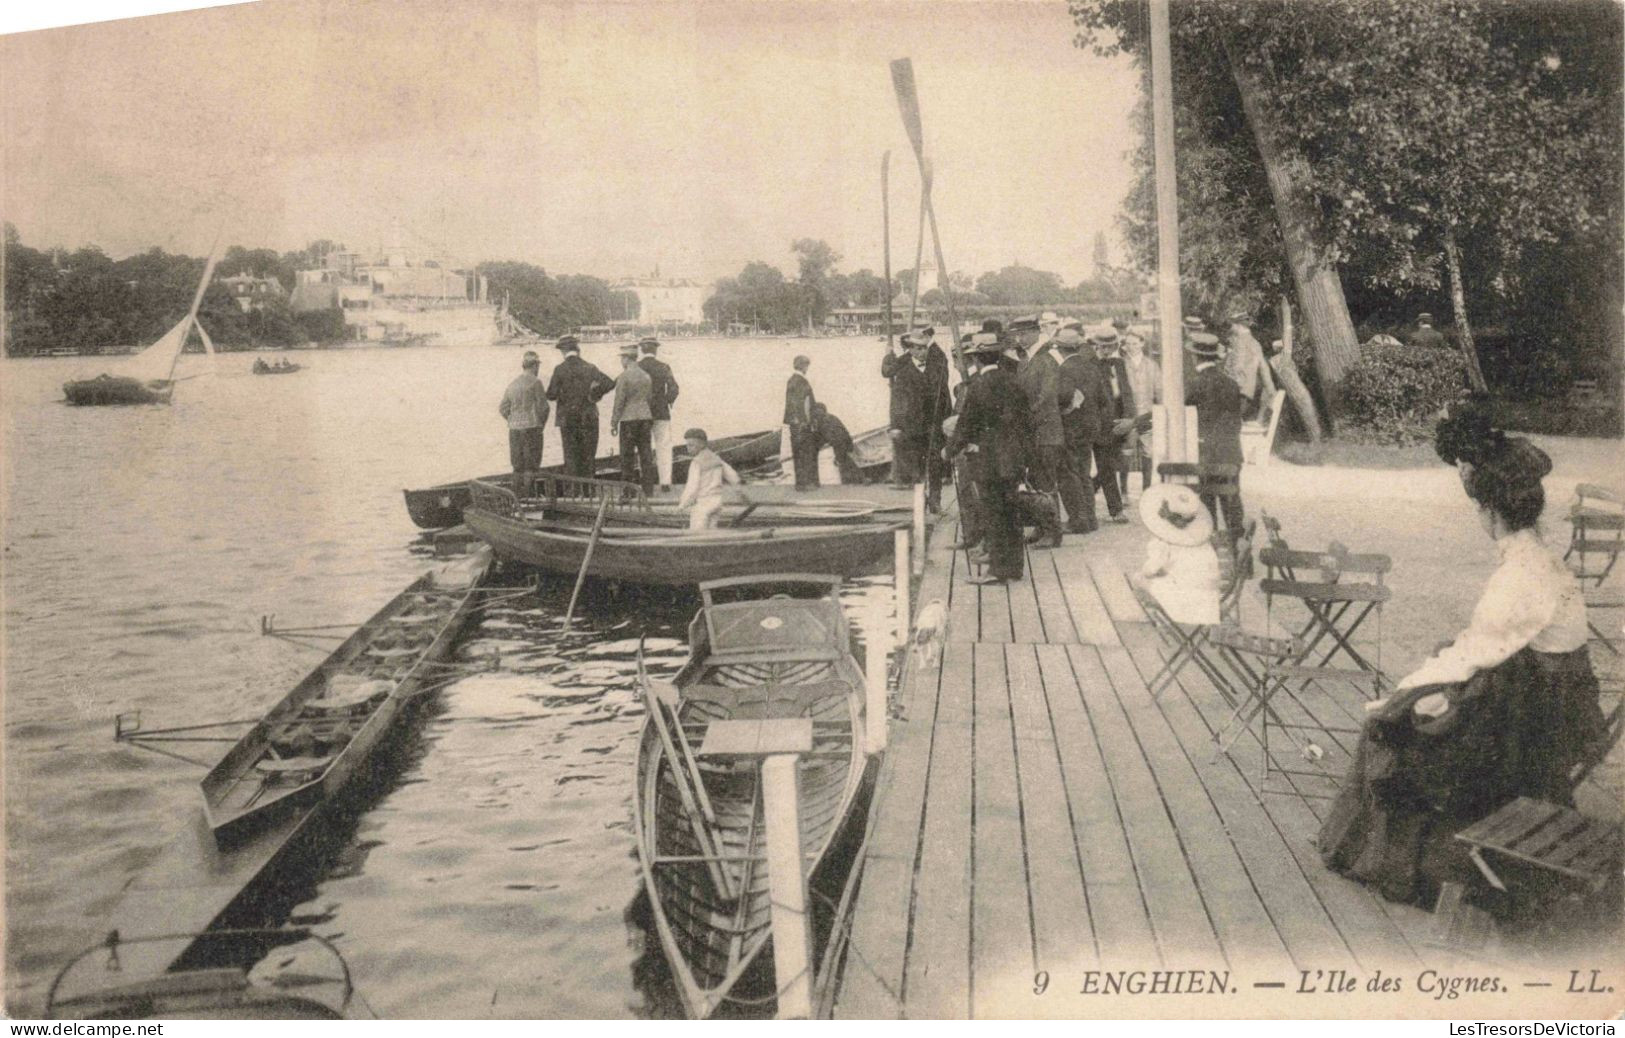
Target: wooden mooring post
{"type": "Point", "coordinates": [919, 529]}
{"type": "Point", "coordinates": [901, 574]}
{"type": "Point", "coordinates": [876, 658]}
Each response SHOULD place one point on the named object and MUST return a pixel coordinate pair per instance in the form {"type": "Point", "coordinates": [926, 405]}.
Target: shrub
{"type": "Point", "coordinates": [1394, 394]}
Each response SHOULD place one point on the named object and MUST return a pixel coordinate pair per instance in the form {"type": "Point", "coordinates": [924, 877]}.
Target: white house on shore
{"type": "Point", "coordinates": [666, 300]}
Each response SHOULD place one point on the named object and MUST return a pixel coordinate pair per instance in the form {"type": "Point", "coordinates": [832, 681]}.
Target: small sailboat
{"type": "Point", "coordinates": [149, 376]}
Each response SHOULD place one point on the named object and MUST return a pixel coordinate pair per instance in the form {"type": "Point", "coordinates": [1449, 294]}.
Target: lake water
{"type": "Point", "coordinates": [496, 872]}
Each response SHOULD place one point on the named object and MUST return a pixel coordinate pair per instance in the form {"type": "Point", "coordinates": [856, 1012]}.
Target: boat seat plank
{"type": "Point", "coordinates": [292, 765]}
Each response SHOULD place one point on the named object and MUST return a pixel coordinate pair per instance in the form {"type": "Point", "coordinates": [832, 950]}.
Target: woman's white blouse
{"type": "Point", "coordinates": [1531, 599]}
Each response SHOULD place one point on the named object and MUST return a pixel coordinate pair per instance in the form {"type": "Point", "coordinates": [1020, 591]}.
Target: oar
{"type": "Point", "coordinates": [885, 216]}
{"type": "Point", "coordinates": [750, 506]}
{"type": "Point", "coordinates": [586, 560]}
{"type": "Point", "coordinates": [908, 102]}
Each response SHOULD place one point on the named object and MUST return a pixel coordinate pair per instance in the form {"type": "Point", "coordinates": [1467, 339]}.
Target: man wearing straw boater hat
{"type": "Point", "coordinates": [1181, 568]}
{"type": "Point", "coordinates": [1246, 367]}
{"type": "Point", "coordinates": [1110, 474]}
{"type": "Point", "coordinates": [662, 395]}
{"type": "Point", "coordinates": [995, 426]}
{"type": "Point", "coordinates": [919, 403]}
{"type": "Point", "coordinates": [524, 405]}
{"type": "Point", "coordinates": [1426, 336]}
{"type": "Point", "coordinates": [576, 387]}
{"type": "Point", "coordinates": [631, 419]}
{"type": "Point", "coordinates": [1218, 404]}
{"type": "Point", "coordinates": [1040, 378]}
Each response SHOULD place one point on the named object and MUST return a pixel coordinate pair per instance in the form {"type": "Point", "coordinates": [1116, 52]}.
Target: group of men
{"type": "Point", "coordinates": [640, 416]}
{"type": "Point", "coordinates": [813, 428]}
{"type": "Point", "coordinates": [1063, 414]}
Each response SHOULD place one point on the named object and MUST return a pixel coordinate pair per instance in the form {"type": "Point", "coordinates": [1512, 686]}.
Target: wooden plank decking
{"type": "Point", "coordinates": [1039, 816]}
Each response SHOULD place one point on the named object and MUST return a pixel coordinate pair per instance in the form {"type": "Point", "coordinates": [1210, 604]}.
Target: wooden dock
{"type": "Point", "coordinates": [1043, 829]}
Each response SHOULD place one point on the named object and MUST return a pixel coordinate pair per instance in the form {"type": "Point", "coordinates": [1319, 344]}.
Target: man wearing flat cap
{"type": "Point", "coordinates": [576, 387]}
{"type": "Point", "coordinates": [798, 415]}
{"type": "Point", "coordinates": [662, 395]}
{"type": "Point", "coordinates": [1218, 404]}
{"type": "Point", "coordinates": [630, 421]}
{"type": "Point", "coordinates": [1247, 368]}
{"type": "Point", "coordinates": [918, 373]}
{"type": "Point", "coordinates": [994, 426]}
{"type": "Point", "coordinates": [524, 405]}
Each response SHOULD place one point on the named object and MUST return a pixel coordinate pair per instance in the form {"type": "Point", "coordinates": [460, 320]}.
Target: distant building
{"type": "Point", "coordinates": [666, 300]}
{"type": "Point", "coordinates": [252, 293]}
{"type": "Point", "coordinates": [391, 298]}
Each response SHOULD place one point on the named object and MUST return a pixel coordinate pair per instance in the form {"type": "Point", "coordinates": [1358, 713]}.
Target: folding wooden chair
{"type": "Point", "coordinates": [1597, 532]}
{"type": "Point", "coordinates": [1341, 591]}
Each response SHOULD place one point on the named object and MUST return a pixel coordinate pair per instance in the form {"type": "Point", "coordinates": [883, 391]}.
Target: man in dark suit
{"type": "Point", "coordinates": [919, 402]}
{"type": "Point", "coordinates": [832, 433]}
{"type": "Point", "coordinates": [1118, 421]}
{"type": "Point", "coordinates": [1039, 376]}
{"type": "Point", "coordinates": [1218, 402]}
{"type": "Point", "coordinates": [798, 404]}
{"type": "Point", "coordinates": [995, 424]}
{"type": "Point", "coordinates": [1084, 398]}
{"type": "Point", "coordinates": [662, 394]}
{"type": "Point", "coordinates": [577, 386]}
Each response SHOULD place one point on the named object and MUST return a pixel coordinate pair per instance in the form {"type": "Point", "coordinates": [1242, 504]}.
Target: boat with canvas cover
{"type": "Point", "coordinates": [773, 647]}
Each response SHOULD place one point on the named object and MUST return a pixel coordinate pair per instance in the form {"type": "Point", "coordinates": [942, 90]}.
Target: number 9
{"type": "Point", "coordinates": [1040, 982]}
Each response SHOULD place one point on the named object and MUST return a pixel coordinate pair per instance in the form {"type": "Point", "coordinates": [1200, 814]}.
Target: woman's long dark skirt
{"type": "Point", "coordinates": [1514, 730]}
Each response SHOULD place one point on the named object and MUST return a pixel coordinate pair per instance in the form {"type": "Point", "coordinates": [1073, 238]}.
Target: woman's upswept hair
{"type": "Point", "coordinates": [1505, 471]}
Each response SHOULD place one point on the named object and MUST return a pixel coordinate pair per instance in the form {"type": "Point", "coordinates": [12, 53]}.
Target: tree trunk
{"type": "Point", "coordinates": [1458, 302]}
{"type": "Point", "coordinates": [1320, 289]}
{"type": "Point", "coordinates": [1286, 373]}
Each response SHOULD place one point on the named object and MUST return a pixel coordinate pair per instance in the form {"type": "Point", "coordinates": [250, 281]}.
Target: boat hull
{"type": "Point", "coordinates": [682, 558]}
{"type": "Point", "coordinates": [440, 506]}
{"type": "Point", "coordinates": [111, 390]}
{"type": "Point", "coordinates": [239, 801]}
{"type": "Point", "coordinates": [721, 946]}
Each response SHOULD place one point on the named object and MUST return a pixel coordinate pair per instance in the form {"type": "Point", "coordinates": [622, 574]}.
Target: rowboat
{"type": "Point", "coordinates": [779, 648]}
{"type": "Point", "coordinates": [262, 368]}
{"type": "Point", "coordinates": [642, 555]}
{"type": "Point", "coordinates": [319, 736]}
{"type": "Point", "coordinates": [307, 979]}
{"type": "Point", "coordinates": [872, 453]}
{"type": "Point", "coordinates": [440, 506]}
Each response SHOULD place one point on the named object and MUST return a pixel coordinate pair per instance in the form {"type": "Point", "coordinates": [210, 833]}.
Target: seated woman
{"type": "Point", "coordinates": [1505, 710]}
{"type": "Point", "coordinates": [1181, 569]}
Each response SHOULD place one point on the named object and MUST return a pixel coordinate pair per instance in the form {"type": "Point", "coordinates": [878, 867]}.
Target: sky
{"type": "Point", "coordinates": [600, 137]}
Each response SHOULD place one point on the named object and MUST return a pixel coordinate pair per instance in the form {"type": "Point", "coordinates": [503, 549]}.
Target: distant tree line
{"type": "Point", "coordinates": [761, 295]}
{"type": "Point", "coordinates": [85, 301]}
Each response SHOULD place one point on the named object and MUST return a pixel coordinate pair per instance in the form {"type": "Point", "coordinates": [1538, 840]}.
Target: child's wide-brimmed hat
{"type": "Point", "coordinates": [1173, 513]}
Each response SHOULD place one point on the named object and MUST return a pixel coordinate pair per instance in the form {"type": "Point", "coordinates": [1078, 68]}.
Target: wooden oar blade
{"type": "Point", "coordinates": [908, 101]}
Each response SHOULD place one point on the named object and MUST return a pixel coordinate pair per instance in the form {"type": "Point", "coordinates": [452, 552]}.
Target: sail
{"type": "Point", "coordinates": [158, 360]}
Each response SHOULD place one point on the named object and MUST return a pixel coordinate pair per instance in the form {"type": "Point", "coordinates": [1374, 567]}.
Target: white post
{"type": "Point", "coordinates": [1168, 301]}
{"type": "Point", "coordinates": [900, 575]}
{"type": "Point", "coordinates": [792, 938]}
{"type": "Point", "coordinates": [919, 528]}
{"type": "Point", "coordinates": [874, 711]}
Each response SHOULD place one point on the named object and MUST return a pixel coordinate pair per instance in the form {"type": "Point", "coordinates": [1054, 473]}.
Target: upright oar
{"type": "Point", "coordinates": [908, 102]}
{"type": "Point", "coordinates": [885, 218]}
{"type": "Point", "coordinates": [586, 560]}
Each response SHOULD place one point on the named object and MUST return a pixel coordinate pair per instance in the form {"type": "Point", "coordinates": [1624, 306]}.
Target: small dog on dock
{"type": "Point", "coordinates": [929, 626]}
